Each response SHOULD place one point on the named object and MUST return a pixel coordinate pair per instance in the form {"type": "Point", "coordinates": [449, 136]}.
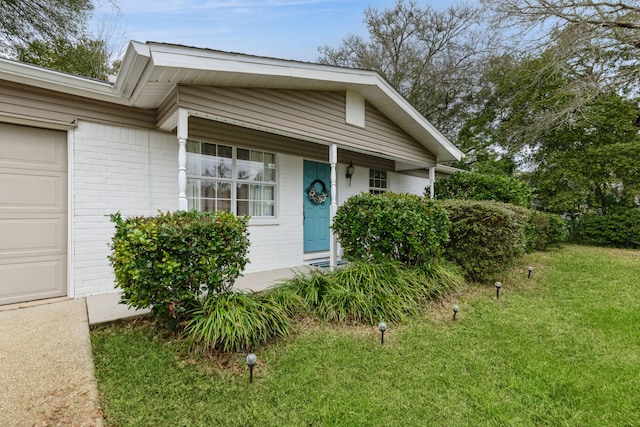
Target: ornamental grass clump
{"type": "Point", "coordinates": [368, 292]}
{"type": "Point", "coordinates": [236, 322]}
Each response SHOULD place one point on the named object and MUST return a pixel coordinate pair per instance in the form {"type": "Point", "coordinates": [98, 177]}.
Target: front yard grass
{"type": "Point", "coordinates": [561, 348]}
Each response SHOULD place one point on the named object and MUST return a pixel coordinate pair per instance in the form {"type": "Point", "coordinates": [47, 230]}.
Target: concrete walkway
{"type": "Point", "coordinates": [46, 367]}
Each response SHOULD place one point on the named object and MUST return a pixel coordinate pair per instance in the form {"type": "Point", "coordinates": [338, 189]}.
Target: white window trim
{"type": "Point", "coordinates": [379, 189]}
{"type": "Point", "coordinates": [257, 220]}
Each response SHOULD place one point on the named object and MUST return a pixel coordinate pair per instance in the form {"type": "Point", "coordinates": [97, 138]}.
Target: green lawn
{"type": "Point", "coordinates": [561, 348]}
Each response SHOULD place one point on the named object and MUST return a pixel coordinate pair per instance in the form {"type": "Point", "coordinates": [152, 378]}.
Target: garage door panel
{"type": "Point", "coordinates": [23, 146]}
{"type": "Point", "coordinates": [32, 236]}
{"type": "Point", "coordinates": [21, 190]}
{"type": "Point", "coordinates": [31, 278]}
{"type": "Point", "coordinates": [33, 213]}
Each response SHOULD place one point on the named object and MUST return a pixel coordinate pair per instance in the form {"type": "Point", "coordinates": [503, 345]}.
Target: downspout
{"type": "Point", "coordinates": [432, 182]}
{"type": "Point", "coordinates": [183, 134]}
{"type": "Point", "coordinates": [333, 242]}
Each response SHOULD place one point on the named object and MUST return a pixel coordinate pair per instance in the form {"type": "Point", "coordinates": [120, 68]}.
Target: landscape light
{"type": "Point", "coordinates": [382, 327]}
{"type": "Point", "coordinates": [251, 362]}
{"type": "Point", "coordinates": [498, 286]}
{"type": "Point", "coordinates": [530, 271]}
{"type": "Point", "coordinates": [456, 309]}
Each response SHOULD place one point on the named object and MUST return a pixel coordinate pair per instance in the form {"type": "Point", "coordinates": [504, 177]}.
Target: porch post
{"type": "Point", "coordinates": [333, 243]}
{"type": "Point", "coordinates": [183, 133]}
{"type": "Point", "coordinates": [432, 182]}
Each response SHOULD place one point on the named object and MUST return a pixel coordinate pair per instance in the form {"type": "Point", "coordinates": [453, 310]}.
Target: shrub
{"type": "Point", "coordinates": [234, 322]}
{"type": "Point", "coordinates": [475, 186]}
{"type": "Point", "coordinates": [168, 261]}
{"type": "Point", "coordinates": [548, 230]}
{"type": "Point", "coordinates": [618, 229]}
{"type": "Point", "coordinates": [370, 292]}
{"type": "Point", "coordinates": [485, 237]}
{"type": "Point", "coordinates": [403, 227]}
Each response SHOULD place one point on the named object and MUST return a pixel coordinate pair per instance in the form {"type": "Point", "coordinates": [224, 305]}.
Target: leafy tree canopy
{"type": "Point", "coordinates": [24, 21]}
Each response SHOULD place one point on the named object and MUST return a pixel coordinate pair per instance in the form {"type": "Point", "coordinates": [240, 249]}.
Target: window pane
{"type": "Point", "coordinates": [225, 155]}
{"type": "Point", "coordinates": [209, 163]}
{"type": "Point", "coordinates": [257, 166]}
{"type": "Point", "coordinates": [224, 190]}
{"type": "Point", "coordinates": [268, 209]}
{"type": "Point", "coordinates": [243, 207]}
{"type": "Point", "coordinates": [208, 189]}
{"type": "Point", "coordinates": [193, 158]}
{"type": "Point", "coordinates": [269, 167]}
{"type": "Point", "coordinates": [243, 192]}
{"type": "Point", "coordinates": [193, 194]}
{"type": "Point", "coordinates": [224, 205]}
{"type": "Point", "coordinates": [243, 165]}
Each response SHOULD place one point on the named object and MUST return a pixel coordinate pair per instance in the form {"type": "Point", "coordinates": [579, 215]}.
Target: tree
{"type": "Point", "coordinates": [602, 38]}
{"type": "Point", "coordinates": [588, 160]}
{"type": "Point", "coordinates": [432, 57]}
{"type": "Point", "coordinates": [24, 21]}
{"type": "Point", "coordinates": [86, 57]}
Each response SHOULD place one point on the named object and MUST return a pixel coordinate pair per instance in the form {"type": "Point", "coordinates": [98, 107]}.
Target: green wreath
{"type": "Point", "coordinates": [317, 198]}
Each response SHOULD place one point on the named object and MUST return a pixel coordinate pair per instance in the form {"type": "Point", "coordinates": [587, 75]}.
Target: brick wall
{"type": "Point", "coordinates": [114, 169]}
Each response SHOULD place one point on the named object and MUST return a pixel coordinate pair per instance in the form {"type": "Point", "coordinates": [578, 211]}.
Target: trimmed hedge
{"type": "Point", "coordinates": [485, 237]}
{"type": "Point", "coordinates": [403, 227]}
{"type": "Point", "coordinates": [475, 186]}
{"type": "Point", "coordinates": [169, 261]}
{"type": "Point", "coordinates": [548, 230]}
{"type": "Point", "coordinates": [619, 229]}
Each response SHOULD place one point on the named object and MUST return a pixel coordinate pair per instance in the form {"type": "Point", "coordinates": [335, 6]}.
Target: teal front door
{"type": "Point", "coordinates": [317, 201]}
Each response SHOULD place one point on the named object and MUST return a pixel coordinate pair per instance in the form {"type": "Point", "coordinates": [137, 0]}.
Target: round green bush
{"type": "Point", "coordinates": [485, 237]}
{"type": "Point", "coordinates": [402, 227]}
{"type": "Point", "coordinates": [169, 261]}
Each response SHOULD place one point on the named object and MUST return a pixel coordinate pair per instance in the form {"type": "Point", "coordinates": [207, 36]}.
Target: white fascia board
{"type": "Point", "coordinates": [133, 65]}
{"type": "Point", "coordinates": [43, 78]}
{"type": "Point", "coordinates": [197, 59]}
{"type": "Point", "coordinates": [419, 119]}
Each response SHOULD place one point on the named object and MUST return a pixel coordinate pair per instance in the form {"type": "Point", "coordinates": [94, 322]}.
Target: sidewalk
{"type": "Point", "coordinates": [46, 367]}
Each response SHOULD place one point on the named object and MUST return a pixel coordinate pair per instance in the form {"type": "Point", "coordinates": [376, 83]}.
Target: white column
{"type": "Point", "coordinates": [333, 248]}
{"type": "Point", "coordinates": [183, 133]}
{"type": "Point", "coordinates": [432, 182]}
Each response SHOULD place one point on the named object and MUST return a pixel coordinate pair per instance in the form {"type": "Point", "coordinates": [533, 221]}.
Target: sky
{"type": "Point", "coordinates": [286, 29]}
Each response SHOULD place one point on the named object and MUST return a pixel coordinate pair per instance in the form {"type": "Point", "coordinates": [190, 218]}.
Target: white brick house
{"type": "Point", "coordinates": [188, 128]}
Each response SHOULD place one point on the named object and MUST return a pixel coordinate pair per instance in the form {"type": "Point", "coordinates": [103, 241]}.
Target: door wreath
{"type": "Point", "coordinates": [317, 197]}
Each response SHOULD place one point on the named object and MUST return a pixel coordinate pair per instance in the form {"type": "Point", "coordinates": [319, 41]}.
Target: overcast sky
{"type": "Point", "coordinates": [287, 29]}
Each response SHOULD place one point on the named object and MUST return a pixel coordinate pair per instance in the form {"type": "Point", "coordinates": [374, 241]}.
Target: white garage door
{"type": "Point", "coordinates": [33, 213]}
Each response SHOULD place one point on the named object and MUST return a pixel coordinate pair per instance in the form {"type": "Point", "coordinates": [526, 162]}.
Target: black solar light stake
{"type": "Point", "coordinates": [382, 327]}
{"type": "Point", "coordinates": [530, 271]}
{"type": "Point", "coordinates": [251, 362]}
{"type": "Point", "coordinates": [498, 286]}
{"type": "Point", "coordinates": [456, 309]}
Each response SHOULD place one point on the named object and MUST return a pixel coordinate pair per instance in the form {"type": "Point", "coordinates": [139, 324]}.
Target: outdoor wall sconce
{"type": "Point", "coordinates": [530, 271]}
{"type": "Point", "coordinates": [456, 309]}
{"type": "Point", "coordinates": [251, 362]}
{"type": "Point", "coordinates": [382, 327]}
{"type": "Point", "coordinates": [350, 171]}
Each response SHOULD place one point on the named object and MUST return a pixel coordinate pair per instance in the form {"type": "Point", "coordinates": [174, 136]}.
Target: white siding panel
{"type": "Point", "coordinates": [401, 183]}
{"type": "Point", "coordinates": [115, 169]}
{"type": "Point", "coordinates": [278, 244]}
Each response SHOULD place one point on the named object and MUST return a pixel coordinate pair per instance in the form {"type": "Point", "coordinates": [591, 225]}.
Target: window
{"type": "Point", "coordinates": [378, 182]}
{"type": "Point", "coordinates": [224, 178]}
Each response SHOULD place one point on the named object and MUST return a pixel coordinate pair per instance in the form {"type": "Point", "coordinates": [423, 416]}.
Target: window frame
{"type": "Point", "coordinates": [373, 189]}
{"type": "Point", "coordinates": [196, 202]}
